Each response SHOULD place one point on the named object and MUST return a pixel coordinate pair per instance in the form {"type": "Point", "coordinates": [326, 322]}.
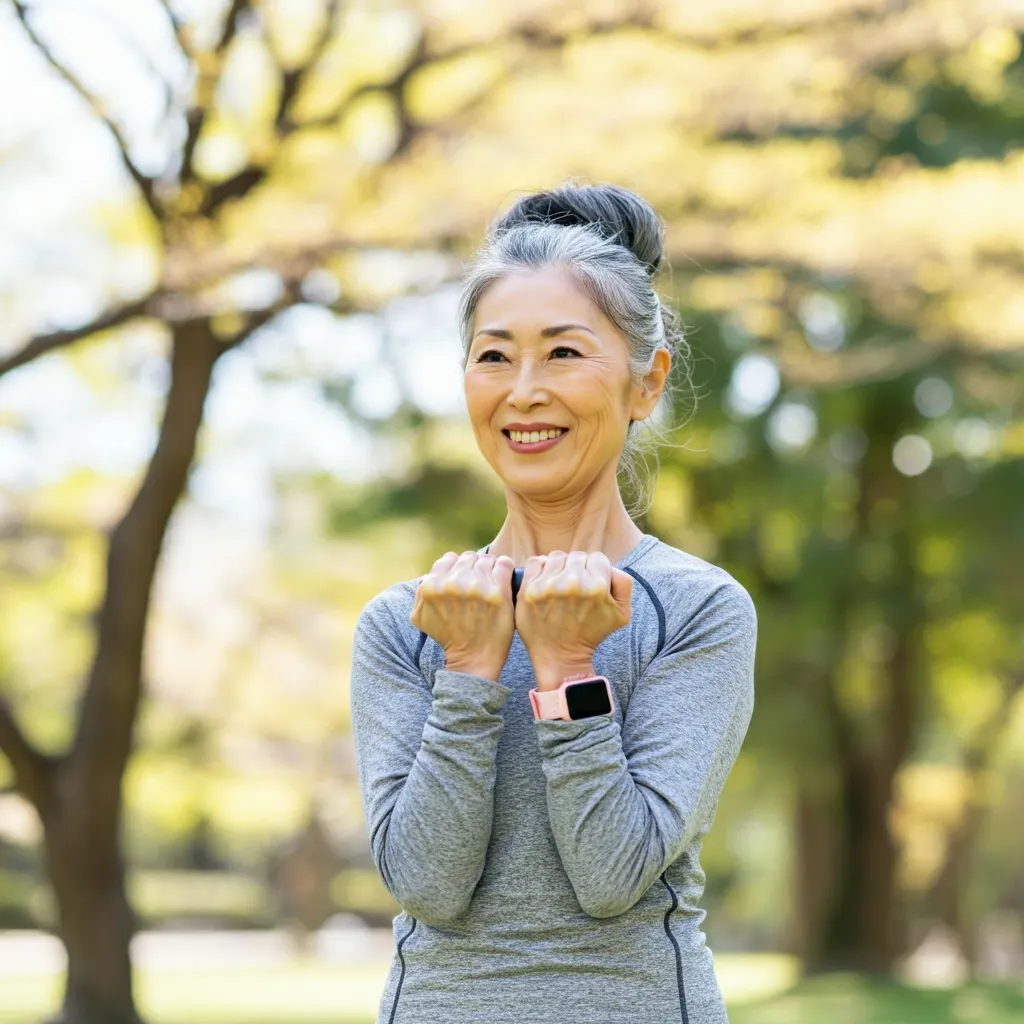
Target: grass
{"type": "Point", "coordinates": [759, 990]}
{"type": "Point", "coordinates": [304, 993]}
{"type": "Point", "coordinates": [852, 999]}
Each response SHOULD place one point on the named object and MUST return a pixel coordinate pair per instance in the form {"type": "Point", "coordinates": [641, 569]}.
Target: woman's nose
{"type": "Point", "coordinates": [526, 385]}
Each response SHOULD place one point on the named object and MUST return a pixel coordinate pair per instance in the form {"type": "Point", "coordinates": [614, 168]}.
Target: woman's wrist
{"type": "Point", "coordinates": [552, 678]}
{"type": "Point", "coordinates": [474, 669]}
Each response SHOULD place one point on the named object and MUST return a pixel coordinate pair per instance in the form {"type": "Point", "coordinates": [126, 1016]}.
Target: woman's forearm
{"type": "Point", "coordinates": [426, 764]}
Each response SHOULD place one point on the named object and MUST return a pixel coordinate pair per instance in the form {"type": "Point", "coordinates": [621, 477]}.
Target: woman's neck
{"type": "Point", "coordinates": [522, 541]}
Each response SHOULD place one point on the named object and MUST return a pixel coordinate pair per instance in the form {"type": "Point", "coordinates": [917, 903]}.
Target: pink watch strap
{"type": "Point", "coordinates": [547, 703]}
{"type": "Point", "coordinates": [553, 703]}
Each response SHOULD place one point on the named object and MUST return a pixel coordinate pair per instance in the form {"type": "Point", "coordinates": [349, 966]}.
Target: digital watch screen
{"type": "Point", "coordinates": [588, 698]}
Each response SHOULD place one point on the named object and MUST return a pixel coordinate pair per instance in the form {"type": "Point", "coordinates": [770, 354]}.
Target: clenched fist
{"type": "Point", "coordinates": [465, 604]}
{"type": "Point", "coordinates": [568, 603]}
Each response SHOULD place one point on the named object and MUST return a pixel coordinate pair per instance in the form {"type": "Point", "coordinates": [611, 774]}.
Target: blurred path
{"type": "Point", "coordinates": [25, 952]}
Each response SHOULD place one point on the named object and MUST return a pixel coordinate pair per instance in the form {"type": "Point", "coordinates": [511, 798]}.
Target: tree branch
{"type": "Point", "coordinates": [131, 44]}
{"type": "Point", "coordinates": [194, 271]}
{"type": "Point", "coordinates": [206, 87]}
{"type": "Point", "coordinates": [144, 183]}
{"type": "Point", "coordinates": [249, 177]}
{"type": "Point", "coordinates": [288, 298]}
{"type": "Point", "coordinates": [263, 317]}
{"type": "Point", "coordinates": [176, 25]}
{"type": "Point", "coordinates": [860, 365]}
{"type": "Point", "coordinates": [44, 343]}
{"type": "Point", "coordinates": [292, 79]}
{"type": "Point", "coordinates": [31, 767]}
{"type": "Point", "coordinates": [537, 37]}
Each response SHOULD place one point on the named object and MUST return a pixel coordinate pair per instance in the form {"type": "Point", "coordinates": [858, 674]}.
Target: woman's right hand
{"type": "Point", "coordinates": [465, 604]}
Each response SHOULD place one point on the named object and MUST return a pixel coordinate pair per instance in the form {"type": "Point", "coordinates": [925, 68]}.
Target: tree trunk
{"type": "Point", "coordinates": [814, 865]}
{"type": "Point", "coordinates": [864, 925]}
{"type": "Point", "coordinates": [96, 923]}
{"type": "Point", "coordinates": [947, 896]}
{"type": "Point", "coordinates": [860, 931]}
{"type": "Point", "coordinates": [81, 807]}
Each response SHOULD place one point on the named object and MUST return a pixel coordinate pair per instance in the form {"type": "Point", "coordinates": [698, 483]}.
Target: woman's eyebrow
{"type": "Point", "coordinates": [546, 332]}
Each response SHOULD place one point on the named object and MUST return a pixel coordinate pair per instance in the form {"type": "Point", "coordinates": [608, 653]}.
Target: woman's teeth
{"type": "Point", "coordinates": [532, 438]}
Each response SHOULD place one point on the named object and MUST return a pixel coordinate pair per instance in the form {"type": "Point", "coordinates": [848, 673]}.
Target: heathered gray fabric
{"type": "Point", "coordinates": [549, 871]}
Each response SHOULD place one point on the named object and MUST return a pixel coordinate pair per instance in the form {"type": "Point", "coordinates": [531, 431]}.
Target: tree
{"type": "Point", "coordinates": [401, 131]}
{"type": "Point", "coordinates": [864, 545]}
{"type": "Point", "coordinates": [78, 792]}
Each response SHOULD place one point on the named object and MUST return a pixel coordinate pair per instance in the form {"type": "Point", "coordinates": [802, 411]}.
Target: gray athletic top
{"type": "Point", "coordinates": [548, 871]}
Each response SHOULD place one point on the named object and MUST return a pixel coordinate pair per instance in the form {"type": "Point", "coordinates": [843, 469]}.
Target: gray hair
{"type": "Point", "coordinates": [620, 283]}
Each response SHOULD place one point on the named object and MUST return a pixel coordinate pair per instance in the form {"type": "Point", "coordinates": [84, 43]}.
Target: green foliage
{"type": "Point", "coordinates": [459, 508]}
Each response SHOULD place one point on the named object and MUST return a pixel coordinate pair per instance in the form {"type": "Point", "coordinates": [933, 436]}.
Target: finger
{"type": "Point", "coordinates": [504, 566]}
{"type": "Point", "coordinates": [534, 567]}
{"type": "Point", "coordinates": [598, 574]}
{"type": "Point", "coordinates": [573, 577]}
{"type": "Point", "coordinates": [552, 565]}
{"type": "Point", "coordinates": [445, 562]}
{"type": "Point", "coordinates": [501, 572]}
{"type": "Point", "coordinates": [462, 579]}
{"type": "Point", "coordinates": [483, 578]}
{"type": "Point", "coordinates": [433, 581]}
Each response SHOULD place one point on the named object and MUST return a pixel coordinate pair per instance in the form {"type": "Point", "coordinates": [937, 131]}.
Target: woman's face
{"type": "Point", "coordinates": [543, 352]}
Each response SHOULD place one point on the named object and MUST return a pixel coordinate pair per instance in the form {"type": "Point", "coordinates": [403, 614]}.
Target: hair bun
{"type": "Point", "coordinates": [619, 215]}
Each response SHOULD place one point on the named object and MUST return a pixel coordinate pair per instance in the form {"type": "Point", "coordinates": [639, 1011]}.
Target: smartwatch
{"type": "Point", "coordinates": [579, 696]}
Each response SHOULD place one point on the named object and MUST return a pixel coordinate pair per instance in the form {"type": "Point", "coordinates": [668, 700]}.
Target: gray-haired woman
{"type": "Point", "coordinates": [540, 756]}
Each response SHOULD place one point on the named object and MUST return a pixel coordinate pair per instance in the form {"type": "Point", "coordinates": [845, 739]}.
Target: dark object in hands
{"type": "Point", "coordinates": [517, 582]}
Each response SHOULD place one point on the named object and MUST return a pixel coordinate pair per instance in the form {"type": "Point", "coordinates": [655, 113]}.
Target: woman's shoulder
{"type": "Point", "coordinates": [693, 585]}
{"type": "Point", "coordinates": [387, 613]}
{"type": "Point", "coordinates": [393, 597]}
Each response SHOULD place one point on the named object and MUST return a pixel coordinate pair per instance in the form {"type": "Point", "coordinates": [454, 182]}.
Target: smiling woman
{"type": "Point", "coordinates": [541, 755]}
{"type": "Point", "coordinates": [562, 327]}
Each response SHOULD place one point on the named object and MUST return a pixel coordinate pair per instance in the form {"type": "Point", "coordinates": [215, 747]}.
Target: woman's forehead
{"type": "Point", "coordinates": [535, 299]}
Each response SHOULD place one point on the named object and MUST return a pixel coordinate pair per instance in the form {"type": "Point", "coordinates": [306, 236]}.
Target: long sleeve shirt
{"type": "Point", "coordinates": [548, 871]}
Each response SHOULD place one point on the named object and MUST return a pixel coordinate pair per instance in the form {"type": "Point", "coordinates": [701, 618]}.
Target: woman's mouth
{"type": "Point", "coordinates": [527, 447]}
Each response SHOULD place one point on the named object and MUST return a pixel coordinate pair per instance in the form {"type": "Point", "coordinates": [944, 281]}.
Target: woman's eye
{"type": "Point", "coordinates": [482, 358]}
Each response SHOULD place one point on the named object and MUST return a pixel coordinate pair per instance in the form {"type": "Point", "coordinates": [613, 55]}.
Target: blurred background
{"type": "Point", "coordinates": [231, 412]}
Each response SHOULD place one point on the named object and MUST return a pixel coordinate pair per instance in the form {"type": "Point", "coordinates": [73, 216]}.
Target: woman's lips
{"type": "Point", "coordinates": [533, 449]}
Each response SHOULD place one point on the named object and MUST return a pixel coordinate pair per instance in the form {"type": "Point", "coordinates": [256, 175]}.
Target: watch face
{"type": "Point", "coordinates": [587, 699]}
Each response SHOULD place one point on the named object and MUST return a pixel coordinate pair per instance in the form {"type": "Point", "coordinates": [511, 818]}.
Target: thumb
{"type": "Point", "coordinates": [621, 588]}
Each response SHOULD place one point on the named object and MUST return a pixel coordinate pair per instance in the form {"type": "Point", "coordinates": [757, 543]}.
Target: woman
{"type": "Point", "coordinates": [539, 766]}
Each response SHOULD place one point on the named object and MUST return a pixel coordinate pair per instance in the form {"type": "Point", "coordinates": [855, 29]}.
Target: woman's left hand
{"type": "Point", "coordinates": [566, 605]}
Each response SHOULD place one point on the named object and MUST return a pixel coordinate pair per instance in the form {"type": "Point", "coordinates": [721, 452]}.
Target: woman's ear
{"type": "Point", "coordinates": [651, 386]}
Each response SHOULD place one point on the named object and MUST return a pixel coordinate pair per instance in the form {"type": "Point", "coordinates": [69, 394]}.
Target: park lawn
{"type": "Point", "coordinates": [302, 993]}
{"type": "Point", "coordinates": [759, 990]}
{"type": "Point", "coordinates": [854, 999]}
